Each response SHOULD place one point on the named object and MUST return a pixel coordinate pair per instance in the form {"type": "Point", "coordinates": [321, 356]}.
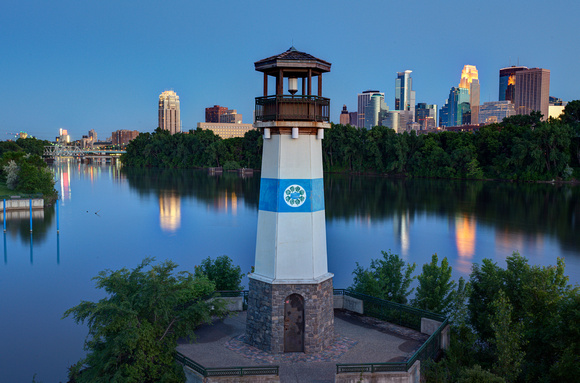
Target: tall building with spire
{"type": "Point", "coordinates": [169, 115]}
{"type": "Point", "coordinates": [404, 93]}
{"type": "Point", "coordinates": [468, 74]}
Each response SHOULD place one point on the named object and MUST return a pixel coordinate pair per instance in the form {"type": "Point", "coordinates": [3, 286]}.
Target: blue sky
{"type": "Point", "coordinates": [101, 65]}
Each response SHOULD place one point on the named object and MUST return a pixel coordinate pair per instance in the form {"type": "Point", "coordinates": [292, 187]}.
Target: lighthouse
{"type": "Point", "coordinates": [290, 302]}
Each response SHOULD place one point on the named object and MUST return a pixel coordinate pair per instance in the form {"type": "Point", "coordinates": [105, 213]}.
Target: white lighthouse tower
{"type": "Point", "coordinates": [290, 306]}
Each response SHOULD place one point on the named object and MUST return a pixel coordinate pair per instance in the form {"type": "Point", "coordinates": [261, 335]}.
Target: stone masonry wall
{"type": "Point", "coordinates": [265, 321]}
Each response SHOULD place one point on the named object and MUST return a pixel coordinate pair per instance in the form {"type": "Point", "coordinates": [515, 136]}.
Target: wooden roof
{"type": "Point", "coordinates": [292, 61]}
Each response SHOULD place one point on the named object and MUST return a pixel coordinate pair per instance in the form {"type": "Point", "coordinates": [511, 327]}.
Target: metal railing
{"type": "Point", "coordinates": [402, 315]}
{"type": "Point", "coordinates": [76, 151]}
{"type": "Point", "coordinates": [226, 371]}
{"type": "Point", "coordinates": [392, 312]}
{"type": "Point", "coordinates": [293, 108]}
{"type": "Point", "coordinates": [21, 196]}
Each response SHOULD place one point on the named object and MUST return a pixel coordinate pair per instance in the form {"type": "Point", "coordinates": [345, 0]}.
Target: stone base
{"type": "Point", "coordinates": [265, 321]}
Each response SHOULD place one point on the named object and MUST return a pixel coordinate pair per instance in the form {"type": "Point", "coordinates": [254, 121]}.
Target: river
{"type": "Point", "coordinates": [112, 218]}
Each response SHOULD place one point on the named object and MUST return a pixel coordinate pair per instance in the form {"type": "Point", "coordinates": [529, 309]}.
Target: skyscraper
{"type": "Point", "coordinates": [474, 100]}
{"type": "Point", "coordinates": [373, 110]}
{"type": "Point", "coordinates": [344, 116]}
{"type": "Point", "coordinates": [458, 106]}
{"type": "Point", "coordinates": [507, 82]}
{"type": "Point", "coordinates": [468, 74]}
{"type": "Point", "coordinates": [363, 100]}
{"type": "Point", "coordinates": [426, 116]}
{"type": "Point", "coordinates": [532, 91]}
{"type": "Point", "coordinates": [494, 111]}
{"type": "Point", "coordinates": [169, 116]}
{"type": "Point", "coordinates": [404, 93]}
{"type": "Point", "coordinates": [213, 114]}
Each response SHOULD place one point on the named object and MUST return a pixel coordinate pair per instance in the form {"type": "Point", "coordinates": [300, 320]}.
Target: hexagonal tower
{"type": "Point", "coordinates": [290, 304]}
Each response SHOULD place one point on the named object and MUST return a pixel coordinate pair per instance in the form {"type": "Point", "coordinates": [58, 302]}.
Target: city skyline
{"type": "Point", "coordinates": [104, 58]}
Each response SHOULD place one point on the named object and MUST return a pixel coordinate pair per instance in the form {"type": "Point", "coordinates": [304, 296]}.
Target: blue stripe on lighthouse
{"type": "Point", "coordinates": [272, 194]}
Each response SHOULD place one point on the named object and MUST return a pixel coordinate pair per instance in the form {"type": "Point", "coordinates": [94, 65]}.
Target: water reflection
{"type": "Point", "coordinates": [465, 229]}
{"type": "Point", "coordinates": [531, 210]}
{"type": "Point", "coordinates": [221, 192]}
{"type": "Point", "coordinates": [18, 223]}
{"type": "Point", "coordinates": [169, 211]}
{"type": "Point", "coordinates": [507, 240]}
{"type": "Point", "coordinates": [226, 203]}
{"type": "Point", "coordinates": [63, 174]}
{"type": "Point", "coordinates": [401, 224]}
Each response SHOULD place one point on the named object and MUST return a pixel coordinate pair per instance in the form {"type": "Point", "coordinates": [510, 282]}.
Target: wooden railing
{"type": "Point", "coordinates": [292, 108]}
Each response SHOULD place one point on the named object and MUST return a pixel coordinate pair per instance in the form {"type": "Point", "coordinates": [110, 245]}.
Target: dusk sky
{"type": "Point", "coordinates": [82, 65]}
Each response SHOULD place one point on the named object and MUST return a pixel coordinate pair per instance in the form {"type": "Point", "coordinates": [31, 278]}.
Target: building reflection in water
{"type": "Point", "coordinates": [226, 203]}
{"type": "Point", "coordinates": [401, 225]}
{"type": "Point", "coordinates": [507, 241]}
{"type": "Point", "coordinates": [465, 227]}
{"type": "Point", "coordinates": [65, 181]}
{"type": "Point", "coordinates": [169, 211]}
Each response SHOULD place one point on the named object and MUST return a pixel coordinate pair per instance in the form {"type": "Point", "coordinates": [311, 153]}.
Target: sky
{"type": "Point", "coordinates": [82, 65]}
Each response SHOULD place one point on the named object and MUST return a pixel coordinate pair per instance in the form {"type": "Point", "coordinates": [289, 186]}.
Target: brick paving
{"type": "Point", "coordinates": [358, 339]}
{"type": "Point", "coordinates": [339, 346]}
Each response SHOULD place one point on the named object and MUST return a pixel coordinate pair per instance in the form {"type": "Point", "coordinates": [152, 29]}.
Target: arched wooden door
{"type": "Point", "coordinates": [294, 323]}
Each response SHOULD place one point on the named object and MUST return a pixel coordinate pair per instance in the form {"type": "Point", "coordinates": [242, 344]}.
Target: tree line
{"type": "Point", "coordinates": [515, 324]}
{"type": "Point", "coordinates": [197, 149]}
{"type": "Point", "coordinates": [522, 148]}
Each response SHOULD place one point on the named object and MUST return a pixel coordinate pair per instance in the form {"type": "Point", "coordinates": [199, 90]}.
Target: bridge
{"type": "Point", "coordinates": [77, 151]}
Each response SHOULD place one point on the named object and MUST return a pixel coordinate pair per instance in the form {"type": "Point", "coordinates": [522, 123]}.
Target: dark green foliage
{"type": "Point", "coordinates": [231, 165]}
{"type": "Point", "coordinates": [32, 175]}
{"type": "Point", "coordinates": [519, 148]}
{"type": "Point", "coordinates": [436, 288]}
{"type": "Point", "coordinates": [32, 145]}
{"type": "Point", "coordinates": [222, 272]}
{"type": "Point", "coordinates": [477, 375]}
{"type": "Point", "coordinates": [387, 278]}
{"type": "Point", "coordinates": [507, 339]}
{"type": "Point", "coordinates": [133, 332]}
{"type": "Point", "coordinates": [196, 149]}
{"type": "Point", "coordinates": [540, 301]}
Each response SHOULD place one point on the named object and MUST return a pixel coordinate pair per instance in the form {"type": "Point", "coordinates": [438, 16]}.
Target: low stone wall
{"type": "Point", "coordinates": [348, 303]}
{"type": "Point", "coordinates": [23, 203]}
{"type": "Point", "coordinates": [411, 376]}
{"type": "Point", "coordinates": [233, 303]}
{"type": "Point", "coordinates": [429, 326]}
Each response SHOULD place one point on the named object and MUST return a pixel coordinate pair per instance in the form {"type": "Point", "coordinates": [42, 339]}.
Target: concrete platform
{"type": "Point", "coordinates": [359, 339]}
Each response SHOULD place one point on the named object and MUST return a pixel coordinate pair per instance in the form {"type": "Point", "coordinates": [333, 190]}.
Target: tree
{"type": "Point", "coordinates": [222, 272]}
{"type": "Point", "coordinates": [507, 340]}
{"type": "Point", "coordinates": [478, 375]}
{"type": "Point", "coordinates": [133, 332]}
{"type": "Point", "coordinates": [388, 278]}
{"type": "Point", "coordinates": [540, 299]}
{"type": "Point", "coordinates": [436, 288]}
{"type": "Point", "coordinates": [27, 173]}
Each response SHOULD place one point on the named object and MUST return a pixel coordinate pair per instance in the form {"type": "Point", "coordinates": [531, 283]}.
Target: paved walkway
{"type": "Point", "coordinates": [358, 340]}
